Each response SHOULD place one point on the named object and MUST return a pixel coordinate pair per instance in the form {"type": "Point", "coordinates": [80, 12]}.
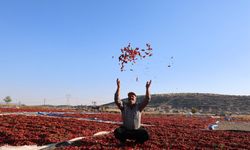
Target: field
{"type": "Point", "coordinates": [166, 131]}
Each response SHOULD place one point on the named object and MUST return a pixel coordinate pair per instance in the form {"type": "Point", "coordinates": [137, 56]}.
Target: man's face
{"type": "Point", "coordinates": [131, 99]}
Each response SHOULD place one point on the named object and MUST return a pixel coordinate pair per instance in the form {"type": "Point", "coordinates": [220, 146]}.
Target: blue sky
{"type": "Point", "coordinates": [53, 48]}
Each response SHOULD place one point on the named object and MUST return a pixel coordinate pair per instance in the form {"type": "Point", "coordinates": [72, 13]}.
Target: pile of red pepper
{"type": "Point", "coordinates": [131, 55]}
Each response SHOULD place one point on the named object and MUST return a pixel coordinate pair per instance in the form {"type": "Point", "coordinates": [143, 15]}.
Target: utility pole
{"type": "Point", "coordinates": [94, 103]}
{"type": "Point", "coordinates": [44, 101]}
{"type": "Point", "coordinates": [68, 96]}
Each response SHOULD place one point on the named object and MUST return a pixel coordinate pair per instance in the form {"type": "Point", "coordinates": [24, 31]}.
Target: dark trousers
{"type": "Point", "coordinates": [139, 135]}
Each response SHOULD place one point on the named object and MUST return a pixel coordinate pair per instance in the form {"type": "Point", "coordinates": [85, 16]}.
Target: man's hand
{"type": "Point", "coordinates": [118, 83]}
{"type": "Point", "coordinates": [148, 84]}
{"type": "Point", "coordinates": [117, 95]}
{"type": "Point", "coordinates": [147, 97]}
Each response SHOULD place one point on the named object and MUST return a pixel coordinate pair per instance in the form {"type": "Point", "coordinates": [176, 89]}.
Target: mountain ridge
{"type": "Point", "coordinates": [203, 102]}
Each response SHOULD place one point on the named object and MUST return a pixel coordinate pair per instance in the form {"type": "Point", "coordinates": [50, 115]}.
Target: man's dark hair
{"type": "Point", "coordinates": [131, 93]}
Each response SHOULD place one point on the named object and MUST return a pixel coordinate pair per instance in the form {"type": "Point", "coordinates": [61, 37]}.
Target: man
{"type": "Point", "coordinates": [131, 116]}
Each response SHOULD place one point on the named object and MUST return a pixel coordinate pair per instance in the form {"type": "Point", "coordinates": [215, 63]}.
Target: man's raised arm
{"type": "Point", "coordinates": [118, 102]}
{"type": "Point", "coordinates": [147, 96]}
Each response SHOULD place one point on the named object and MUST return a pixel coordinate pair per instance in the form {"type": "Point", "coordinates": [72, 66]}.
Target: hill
{"type": "Point", "coordinates": [202, 102]}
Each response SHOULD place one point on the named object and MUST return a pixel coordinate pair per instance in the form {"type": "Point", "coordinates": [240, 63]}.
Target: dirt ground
{"type": "Point", "coordinates": [238, 123]}
{"type": "Point", "coordinates": [231, 125]}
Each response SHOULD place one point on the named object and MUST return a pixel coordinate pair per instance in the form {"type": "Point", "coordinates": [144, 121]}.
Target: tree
{"type": "Point", "coordinates": [7, 99]}
{"type": "Point", "coordinates": [194, 110]}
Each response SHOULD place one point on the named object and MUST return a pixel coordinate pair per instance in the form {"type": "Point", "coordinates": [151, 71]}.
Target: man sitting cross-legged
{"type": "Point", "coordinates": [131, 116]}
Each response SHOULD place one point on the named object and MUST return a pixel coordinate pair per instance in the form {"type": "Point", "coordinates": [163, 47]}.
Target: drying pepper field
{"type": "Point", "coordinates": [166, 131]}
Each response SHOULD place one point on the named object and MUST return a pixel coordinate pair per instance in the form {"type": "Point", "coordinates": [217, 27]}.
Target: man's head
{"type": "Point", "coordinates": [131, 98]}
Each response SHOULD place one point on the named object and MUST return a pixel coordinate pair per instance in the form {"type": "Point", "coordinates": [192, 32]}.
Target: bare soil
{"type": "Point", "coordinates": [235, 126]}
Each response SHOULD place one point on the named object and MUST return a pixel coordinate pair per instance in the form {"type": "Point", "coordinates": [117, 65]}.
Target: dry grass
{"type": "Point", "coordinates": [242, 117]}
{"type": "Point", "coordinates": [236, 126]}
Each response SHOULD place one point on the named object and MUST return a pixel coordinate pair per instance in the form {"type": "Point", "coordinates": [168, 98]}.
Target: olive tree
{"type": "Point", "coordinates": [194, 110]}
{"type": "Point", "coordinates": [7, 99]}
